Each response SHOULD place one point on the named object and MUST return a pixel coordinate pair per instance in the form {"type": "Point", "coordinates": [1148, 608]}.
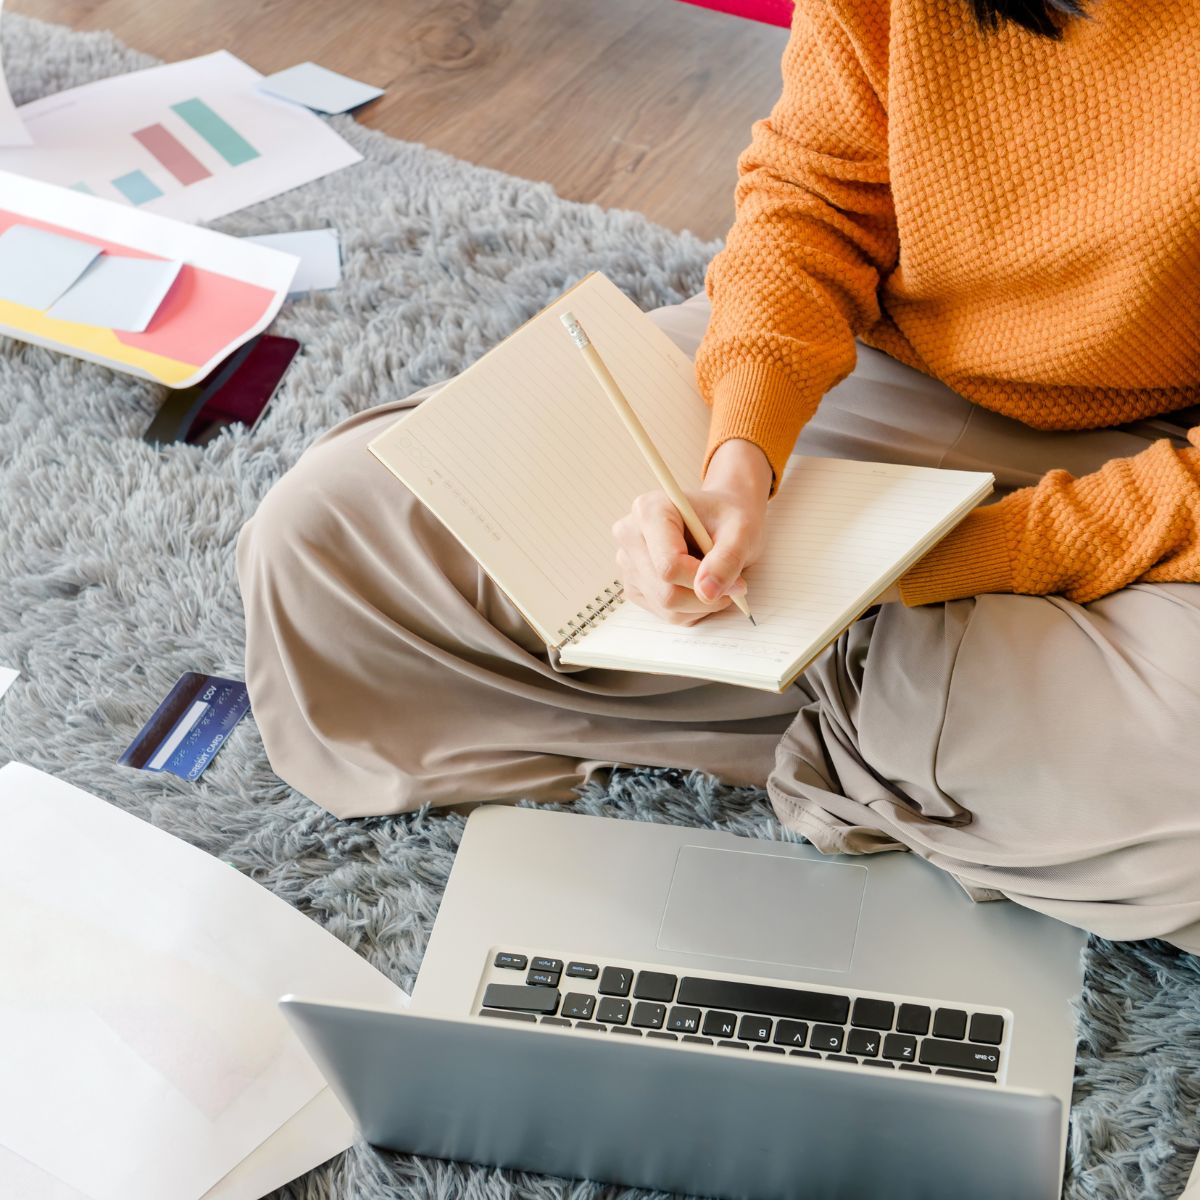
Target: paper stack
{"type": "Point", "coordinates": [141, 1049]}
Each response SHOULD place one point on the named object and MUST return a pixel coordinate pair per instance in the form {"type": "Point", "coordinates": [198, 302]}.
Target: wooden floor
{"type": "Point", "coordinates": [640, 104]}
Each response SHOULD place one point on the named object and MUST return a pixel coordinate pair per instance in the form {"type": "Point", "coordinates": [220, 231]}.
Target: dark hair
{"type": "Point", "coordinates": [1043, 17]}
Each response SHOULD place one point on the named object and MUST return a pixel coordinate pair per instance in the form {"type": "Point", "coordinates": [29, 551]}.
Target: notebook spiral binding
{"type": "Point", "coordinates": [593, 613]}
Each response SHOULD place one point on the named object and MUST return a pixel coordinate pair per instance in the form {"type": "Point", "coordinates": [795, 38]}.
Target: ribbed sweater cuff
{"type": "Point", "coordinates": [974, 557]}
{"type": "Point", "coordinates": [761, 405]}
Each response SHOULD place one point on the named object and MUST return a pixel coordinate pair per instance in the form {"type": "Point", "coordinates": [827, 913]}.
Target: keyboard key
{"type": "Point", "coordinates": [555, 1021]}
{"type": "Point", "coordinates": [970, 1075]}
{"type": "Point", "coordinates": [542, 979]}
{"type": "Point", "coordinates": [578, 1005]}
{"type": "Point", "coordinates": [519, 997]}
{"type": "Point", "coordinates": [649, 1016]}
{"type": "Point", "coordinates": [803, 1054]}
{"type": "Point", "coordinates": [914, 1018]}
{"type": "Point", "coordinates": [582, 970]}
{"type": "Point", "coordinates": [553, 965]}
{"type": "Point", "coordinates": [689, 1037]}
{"type": "Point", "coordinates": [591, 1027]}
{"type": "Point", "coordinates": [877, 1062]}
{"type": "Point", "coordinates": [873, 1014]}
{"type": "Point", "coordinates": [514, 962]}
{"type": "Point", "coordinates": [615, 1012]}
{"type": "Point", "coordinates": [719, 1024]}
{"type": "Point", "coordinates": [684, 1020]}
{"type": "Point", "coordinates": [666, 1037]}
{"type": "Point", "coordinates": [988, 1028]}
{"type": "Point", "coordinates": [755, 1029]}
{"type": "Point", "coordinates": [734, 1045]}
{"type": "Point", "coordinates": [827, 1037]}
{"type": "Point", "coordinates": [655, 985]}
{"type": "Point", "coordinates": [966, 1056]}
{"type": "Point", "coordinates": [790, 1033]}
{"type": "Point", "coordinates": [760, 1049]}
{"type": "Point", "coordinates": [900, 1046]}
{"type": "Point", "coordinates": [864, 1042]}
{"type": "Point", "coordinates": [615, 981]}
{"type": "Point", "coordinates": [841, 1058]}
{"type": "Point", "coordinates": [915, 1067]}
{"type": "Point", "coordinates": [627, 1032]}
{"type": "Point", "coordinates": [949, 1023]}
{"type": "Point", "coordinates": [511, 1016]}
{"type": "Point", "coordinates": [769, 1001]}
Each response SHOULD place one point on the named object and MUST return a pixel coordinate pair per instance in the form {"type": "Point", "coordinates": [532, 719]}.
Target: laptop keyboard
{"type": "Point", "coordinates": [891, 1033]}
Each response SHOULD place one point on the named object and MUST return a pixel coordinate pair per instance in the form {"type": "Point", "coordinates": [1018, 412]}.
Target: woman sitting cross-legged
{"type": "Point", "coordinates": [1001, 205]}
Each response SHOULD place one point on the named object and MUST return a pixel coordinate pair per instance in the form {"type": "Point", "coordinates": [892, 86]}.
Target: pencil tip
{"type": "Point", "coordinates": [753, 621]}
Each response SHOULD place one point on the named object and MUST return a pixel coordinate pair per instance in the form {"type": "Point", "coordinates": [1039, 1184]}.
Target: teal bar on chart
{"type": "Point", "coordinates": [137, 188]}
{"type": "Point", "coordinates": [82, 187]}
{"type": "Point", "coordinates": [219, 134]}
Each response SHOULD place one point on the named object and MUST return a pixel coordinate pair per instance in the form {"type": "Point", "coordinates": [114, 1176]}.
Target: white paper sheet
{"type": "Point", "coordinates": [1191, 1189]}
{"type": "Point", "coordinates": [214, 327]}
{"type": "Point", "coordinates": [118, 293]}
{"type": "Point", "coordinates": [134, 139]}
{"type": "Point", "coordinates": [321, 1129]}
{"type": "Point", "coordinates": [319, 252]}
{"type": "Point", "coordinates": [142, 1052]}
{"type": "Point", "coordinates": [12, 128]}
{"type": "Point", "coordinates": [37, 267]}
{"type": "Point", "coordinates": [8, 676]}
{"type": "Point", "coordinates": [319, 88]}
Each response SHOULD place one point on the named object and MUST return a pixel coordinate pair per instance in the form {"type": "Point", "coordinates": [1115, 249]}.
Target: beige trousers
{"type": "Point", "coordinates": [386, 671]}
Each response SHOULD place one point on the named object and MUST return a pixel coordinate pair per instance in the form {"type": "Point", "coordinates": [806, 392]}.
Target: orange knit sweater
{"type": "Point", "coordinates": [1015, 216]}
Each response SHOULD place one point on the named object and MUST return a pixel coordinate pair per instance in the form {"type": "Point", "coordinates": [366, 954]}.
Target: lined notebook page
{"type": "Point", "coordinates": [526, 462]}
{"type": "Point", "coordinates": [839, 534]}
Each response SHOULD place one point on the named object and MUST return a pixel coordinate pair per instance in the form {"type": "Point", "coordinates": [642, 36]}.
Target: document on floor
{"type": "Point", "coordinates": [128, 289]}
{"type": "Point", "coordinates": [319, 88]}
{"type": "Point", "coordinates": [8, 676]}
{"type": "Point", "coordinates": [144, 1055]}
{"type": "Point", "coordinates": [319, 252]}
{"type": "Point", "coordinates": [12, 128]}
{"type": "Point", "coordinates": [191, 140]}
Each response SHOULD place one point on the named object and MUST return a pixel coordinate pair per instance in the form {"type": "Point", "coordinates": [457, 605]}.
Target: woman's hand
{"type": "Point", "coordinates": [654, 556]}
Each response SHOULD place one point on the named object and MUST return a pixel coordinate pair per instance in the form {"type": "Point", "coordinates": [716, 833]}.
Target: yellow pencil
{"type": "Point", "coordinates": [642, 438]}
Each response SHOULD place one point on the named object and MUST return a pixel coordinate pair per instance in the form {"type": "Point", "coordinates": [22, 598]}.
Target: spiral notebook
{"type": "Point", "coordinates": [524, 460]}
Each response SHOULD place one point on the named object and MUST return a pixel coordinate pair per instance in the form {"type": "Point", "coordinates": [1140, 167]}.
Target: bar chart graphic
{"type": "Point", "coordinates": [191, 140]}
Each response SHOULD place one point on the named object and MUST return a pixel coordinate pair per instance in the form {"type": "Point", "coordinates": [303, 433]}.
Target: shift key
{"type": "Point", "coordinates": [964, 1055]}
{"type": "Point", "coordinates": [519, 998]}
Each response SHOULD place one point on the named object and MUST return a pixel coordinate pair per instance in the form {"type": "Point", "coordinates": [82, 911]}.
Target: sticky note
{"type": "Point", "coordinates": [36, 267]}
{"type": "Point", "coordinates": [319, 88]}
{"type": "Point", "coordinates": [319, 252]}
{"type": "Point", "coordinates": [118, 293]}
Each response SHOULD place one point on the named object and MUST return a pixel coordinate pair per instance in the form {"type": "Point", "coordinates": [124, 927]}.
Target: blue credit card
{"type": "Point", "coordinates": [189, 726]}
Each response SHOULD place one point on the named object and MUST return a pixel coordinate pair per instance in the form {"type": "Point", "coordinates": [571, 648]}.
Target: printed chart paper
{"type": "Point", "coordinates": [192, 140]}
{"type": "Point", "coordinates": [8, 676]}
{"type": "Point", "coordinates": [138, 999]}
{"type": "Point", "coordinates": [12, 128]}
{"type": "Point", "coordinates": [227, 291]}
{"type": "Point", "coordinates": [319, 88]}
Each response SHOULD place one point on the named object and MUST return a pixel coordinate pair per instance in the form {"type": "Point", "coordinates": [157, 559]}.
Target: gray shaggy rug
{"type": "Point", "coordinates": [116, 575]}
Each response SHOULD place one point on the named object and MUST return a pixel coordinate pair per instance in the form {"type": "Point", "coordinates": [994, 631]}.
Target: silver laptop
{"type": "Point", "coordinates": [692, 1012]}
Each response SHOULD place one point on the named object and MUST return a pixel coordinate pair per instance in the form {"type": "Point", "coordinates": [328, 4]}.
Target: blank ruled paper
{"type": "Point", "coordinates": [525, 460]}
{"type": "Point", "coordinates": [839, 534]}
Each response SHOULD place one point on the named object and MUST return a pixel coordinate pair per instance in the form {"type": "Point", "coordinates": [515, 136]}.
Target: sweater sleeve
{"type": "Point", "coordinates": [815, 230]}
{"type": "Point", "coordinates": [1136, 520]}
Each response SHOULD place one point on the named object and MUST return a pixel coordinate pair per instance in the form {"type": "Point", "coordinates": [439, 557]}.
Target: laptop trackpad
{"type": "Point", "coordinates": [763, 907]}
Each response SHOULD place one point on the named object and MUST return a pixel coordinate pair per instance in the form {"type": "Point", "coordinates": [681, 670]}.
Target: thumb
{"type": "Point", "coordinates": [720, 570]}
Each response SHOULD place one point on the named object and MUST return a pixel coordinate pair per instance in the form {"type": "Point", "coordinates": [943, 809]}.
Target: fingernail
{"type": "Point", "coordinates": [737, 588]}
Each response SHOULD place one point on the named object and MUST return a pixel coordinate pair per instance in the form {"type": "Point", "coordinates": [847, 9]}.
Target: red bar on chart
{"type": "Point", "coordinates": [173, 154]}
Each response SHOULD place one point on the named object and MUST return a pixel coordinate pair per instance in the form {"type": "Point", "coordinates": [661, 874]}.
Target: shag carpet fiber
{"type": "Point", "coordinates": [116, 575]}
